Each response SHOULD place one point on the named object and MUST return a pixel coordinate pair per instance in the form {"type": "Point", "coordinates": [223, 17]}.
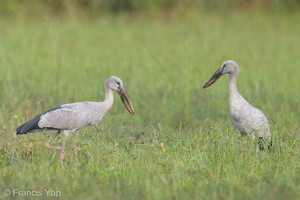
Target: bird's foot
{"type": "Point", "coordinates": [76, 149]}
{"type": "Point", "coordinates": [52, 147]}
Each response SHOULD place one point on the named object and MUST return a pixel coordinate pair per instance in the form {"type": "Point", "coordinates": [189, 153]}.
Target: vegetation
{"type": "Point", "coordinates": [181, 143]}
{"type": "Point", "coordinates": [98, 7]}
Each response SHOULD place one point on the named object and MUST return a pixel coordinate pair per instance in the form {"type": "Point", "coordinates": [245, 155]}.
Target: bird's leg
{"type": "Point", "coordinates": [261, 143]}
{"type": "Point", "coordinates": [48, 143]}
{"type": "Point", "coordinates": [270, 146]}
{"type": "Point", "coordinates": [62, 151]}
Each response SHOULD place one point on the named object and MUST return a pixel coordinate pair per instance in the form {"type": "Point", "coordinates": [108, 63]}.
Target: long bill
{"type": "Point", "coordinates": [126, 100]}
{"type": "Point", "coordinates": [213, 78]}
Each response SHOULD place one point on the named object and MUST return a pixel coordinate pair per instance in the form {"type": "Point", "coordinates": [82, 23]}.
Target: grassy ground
{"type": "Point", "coordinates": [180, 144]}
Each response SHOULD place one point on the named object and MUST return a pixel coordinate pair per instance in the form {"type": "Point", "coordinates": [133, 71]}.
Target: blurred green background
{"type": "Point", "coordinates": [98, 7]}
{"type": "Point", "coordinates": [180, 144]}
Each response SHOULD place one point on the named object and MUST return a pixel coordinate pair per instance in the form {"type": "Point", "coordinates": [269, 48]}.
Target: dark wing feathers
{"type": "Point", "coordinates": [32, 125]}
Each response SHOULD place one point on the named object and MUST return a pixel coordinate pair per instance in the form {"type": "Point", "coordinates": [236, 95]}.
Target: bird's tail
{"type": "Point", "coordinates": [19, 130]}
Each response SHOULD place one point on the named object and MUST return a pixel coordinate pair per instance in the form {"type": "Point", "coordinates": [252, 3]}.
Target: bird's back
{"type": "Point", "coordinates": [248, 119]}
{"type": "Point", "coordinates": [71, 117]}
{"type": "Point", "coordinates": [32, 125]}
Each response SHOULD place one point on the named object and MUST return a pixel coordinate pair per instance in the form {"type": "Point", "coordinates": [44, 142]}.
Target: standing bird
{"type": "Point", "coordinates": [68, 118]}
{"type": "Point", "coordinates": [246, 118]}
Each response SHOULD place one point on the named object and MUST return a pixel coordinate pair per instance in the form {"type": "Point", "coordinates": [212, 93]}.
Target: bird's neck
{"type": "Point", "coordinates": [234, 94]}
{"type": "Point", "coordinates": [232, 83]}
{"type": "Point", "coordinates": [109, 98]}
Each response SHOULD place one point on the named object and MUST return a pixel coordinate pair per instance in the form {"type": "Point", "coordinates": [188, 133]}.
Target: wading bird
{"type": "Point", "coordinates": [68, 118]}
{"type": "Point", "coordinates": [246, 118]}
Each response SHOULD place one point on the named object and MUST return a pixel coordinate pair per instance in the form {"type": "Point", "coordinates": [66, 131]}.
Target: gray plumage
{"type": "Point", "coordinates": [71, 117]}
{"type": "Point", "coordinates": [246, 118]}
{"type": "Point", "coordinates": [68, 118]}
{"type": "Point", "coordinates": [32, 125]}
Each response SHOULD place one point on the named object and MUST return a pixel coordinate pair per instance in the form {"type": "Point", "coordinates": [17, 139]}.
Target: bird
{"type": "Point", "coordinates": [246, 118]}
{"type": "Point", "coordinates": [69, 118]}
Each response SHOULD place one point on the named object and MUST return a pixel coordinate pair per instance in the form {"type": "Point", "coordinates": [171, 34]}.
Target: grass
{"type": "Point", "coordinates": [181, 143]}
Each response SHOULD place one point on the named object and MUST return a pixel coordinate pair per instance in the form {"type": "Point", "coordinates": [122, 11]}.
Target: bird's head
{"type": "Point", "coordinates": [115, 83]}
{"type": "Point", "coordinates": [227, 67]}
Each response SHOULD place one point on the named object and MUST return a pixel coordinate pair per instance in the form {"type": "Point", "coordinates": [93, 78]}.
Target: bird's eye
{"type": "Point", "coordinates": [118, 83]}
{"type": "Point", "coordinates": [224, 65]}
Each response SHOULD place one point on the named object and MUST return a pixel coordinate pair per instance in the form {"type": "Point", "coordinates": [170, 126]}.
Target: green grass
{"type": "Point", "coordinates": [189, 148]}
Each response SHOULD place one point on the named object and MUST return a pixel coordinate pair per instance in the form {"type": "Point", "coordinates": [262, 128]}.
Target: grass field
{"type": "Point", "coordinates": [189, 148]}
